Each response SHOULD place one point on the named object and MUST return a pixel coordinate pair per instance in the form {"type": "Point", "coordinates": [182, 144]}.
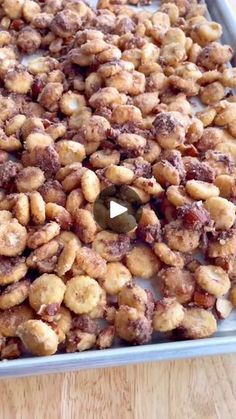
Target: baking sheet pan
{"type": "Point", "coordinates": [224, 340]}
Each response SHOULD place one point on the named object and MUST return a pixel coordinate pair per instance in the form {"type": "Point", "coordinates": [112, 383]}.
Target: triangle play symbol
{"type": "Point", "coordinates": [116, 209]}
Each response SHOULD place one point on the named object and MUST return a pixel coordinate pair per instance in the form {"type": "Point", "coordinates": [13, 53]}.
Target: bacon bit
{"type": "Point", "coordinates": [175, 159]}
{"type": "Point", "coordinates": [47, 265]}
{"type": "Point", "coordinates": [200, 171]}
{"type": "Point", "coordinates": [165, 123]}
{"type": "Point", "coordinates": [85, 323]}
{"type": "Point", "coordinates": [106, 337]}
{"type": "Point", "coordinates": [47, 312]}
{"type": "Point", "coordinates": [11, 350]}
{"type": "Point", "coordinates": [188, 150]}
{"type": "Point", "coordinates": [108, 145]}
{"type": "Point", "coordinates": [105, 112]}
{"type": "Point", "coordinates": [149, 233]}
{"type": "Point", "coordinates": [17, 24]}
{"type": "Point", "coordinates": [203, 299]}
{"type": "Point", "coordinates": [194, 216]}
{"type": "Point", "coordinates": [8, 173]}
{"type": "Point", "coordinates": [167, 210]}
{"type": "Point", "coordinates": [37, 88]}
{"type": "Point", "coordinates": [224, 263]}
{"type": "Point", "coordinates": [119, 247]}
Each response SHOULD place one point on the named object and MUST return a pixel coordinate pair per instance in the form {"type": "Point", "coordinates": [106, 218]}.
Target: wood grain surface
{"type": "Point", "coordinates": [202, 388]}
{"type": "Point", "coordinates": [191, 389]}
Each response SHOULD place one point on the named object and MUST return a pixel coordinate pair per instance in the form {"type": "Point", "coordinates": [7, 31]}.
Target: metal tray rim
{"type": "Point", "coordinates": [118, 356]}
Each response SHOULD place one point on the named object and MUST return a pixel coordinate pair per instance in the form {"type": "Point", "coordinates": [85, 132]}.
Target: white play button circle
{"type": "Point", "coordinates": [116, 209]}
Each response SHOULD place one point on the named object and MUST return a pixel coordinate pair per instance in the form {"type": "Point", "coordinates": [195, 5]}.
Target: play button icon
{"type": "Point", "coordinates": [117, 208]}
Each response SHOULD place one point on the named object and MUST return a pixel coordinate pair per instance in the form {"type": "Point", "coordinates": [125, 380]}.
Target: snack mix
{"type": "Point", "coordinates": [92, 98]}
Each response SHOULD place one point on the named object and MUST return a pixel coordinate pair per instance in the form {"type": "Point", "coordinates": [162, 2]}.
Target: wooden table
{"type": "Point", "coordinates": [192, 389]}
{"type": "Point", "coordinates": [203, 388]}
